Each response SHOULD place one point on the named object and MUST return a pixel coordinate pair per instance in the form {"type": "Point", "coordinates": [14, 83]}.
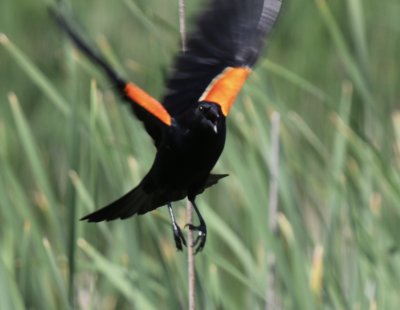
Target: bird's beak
{"type": "Point", "coordinates": [215, 128]}
{"type": "Point", "coordinates": [213, 117]}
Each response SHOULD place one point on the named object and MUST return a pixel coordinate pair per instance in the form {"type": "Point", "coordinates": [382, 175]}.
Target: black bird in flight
{"type": "Point", "coordinates": [188, 126]}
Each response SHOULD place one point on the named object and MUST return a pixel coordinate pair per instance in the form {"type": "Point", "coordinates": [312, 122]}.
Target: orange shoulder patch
{"type": "Point", "coordinates": [225, 87]}
{"type": "Point", "coordinates": [147, 102]}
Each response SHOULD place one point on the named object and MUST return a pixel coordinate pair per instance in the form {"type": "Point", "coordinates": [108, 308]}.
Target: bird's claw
{"type": "Point", "coordinates": [201, 239]}
{"type": "Point", "coordinates": [178, 237]}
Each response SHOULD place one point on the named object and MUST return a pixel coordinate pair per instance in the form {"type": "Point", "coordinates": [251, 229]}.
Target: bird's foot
{"type": "Point", "coordinates": [201, 239]}
{"type": "Point", "coordinates": [178, 237]}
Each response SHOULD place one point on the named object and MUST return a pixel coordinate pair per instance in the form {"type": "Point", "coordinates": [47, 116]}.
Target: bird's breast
{"type": "Point", "coordinates": [188, 156]}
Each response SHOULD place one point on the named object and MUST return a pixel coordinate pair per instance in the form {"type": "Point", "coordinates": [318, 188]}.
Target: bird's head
{"type": "Point", "coordinates": [210, 115]}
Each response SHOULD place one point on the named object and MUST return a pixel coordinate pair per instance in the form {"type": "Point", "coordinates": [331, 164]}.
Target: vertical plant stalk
{"type": "Point", "coordinates": [191, 262]}
{"type": "Point", "coordinates": [271, 297]}
{"type": "Point", "coordinates": [73, 158]}
{"type": "Point", "coordinates": [182, 24]}
{"type": "Point", "coordinates": [189, 207]}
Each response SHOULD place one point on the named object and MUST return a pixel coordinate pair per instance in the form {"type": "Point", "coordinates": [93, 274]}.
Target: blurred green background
{"type": "Point", "coordinates": [67, 146]}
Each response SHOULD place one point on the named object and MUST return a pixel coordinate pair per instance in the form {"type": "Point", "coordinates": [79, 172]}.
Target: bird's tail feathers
{"type": "Point", "coordinates": [137, 201]}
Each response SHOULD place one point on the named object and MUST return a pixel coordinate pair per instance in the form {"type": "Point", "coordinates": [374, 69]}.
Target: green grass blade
{"type": "Point", "coordinates": [36, 75]}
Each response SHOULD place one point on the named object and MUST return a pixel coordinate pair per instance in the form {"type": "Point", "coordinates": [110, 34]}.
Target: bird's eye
{"type": "Point", "coordinates": [201, 108]}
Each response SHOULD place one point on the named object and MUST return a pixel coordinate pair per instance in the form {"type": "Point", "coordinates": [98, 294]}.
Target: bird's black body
{"type": "Point", "coordinates": [189, 126]}
{"type": "Point", "coordinates": [188, 151]}
{"type": "Point", "coordinates": [185, 158]}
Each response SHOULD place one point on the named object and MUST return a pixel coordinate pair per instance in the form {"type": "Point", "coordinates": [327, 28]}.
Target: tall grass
{"type": "Point", "coordinates": [67, 146]}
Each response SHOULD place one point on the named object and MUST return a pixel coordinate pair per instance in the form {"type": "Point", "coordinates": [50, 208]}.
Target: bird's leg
{"type": "Point", "coordinates": [201, 230]}
{"type": "Point", "coordinates": [178, 236]}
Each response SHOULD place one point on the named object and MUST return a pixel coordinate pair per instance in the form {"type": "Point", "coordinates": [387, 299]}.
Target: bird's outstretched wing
{"type": "Point", "coordinates": [227, 42]}
{"type": "Point", "coordinates": [147, 109]}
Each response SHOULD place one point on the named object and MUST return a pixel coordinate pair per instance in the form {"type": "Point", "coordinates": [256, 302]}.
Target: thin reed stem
{"type": "Point", "coordinates": [189, 207]}
{"type": "Point", "coordinates": [272, 301]}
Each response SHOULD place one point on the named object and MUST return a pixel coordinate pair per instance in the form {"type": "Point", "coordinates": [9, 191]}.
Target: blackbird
{"type": "Point", "coordinates": [188, 127]}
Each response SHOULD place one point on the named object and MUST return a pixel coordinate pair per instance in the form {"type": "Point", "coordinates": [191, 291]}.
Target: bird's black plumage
{"type": "Point", "coordinates": [189, 126]}
{"type": "Point", "coordinates": [230, 33]}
